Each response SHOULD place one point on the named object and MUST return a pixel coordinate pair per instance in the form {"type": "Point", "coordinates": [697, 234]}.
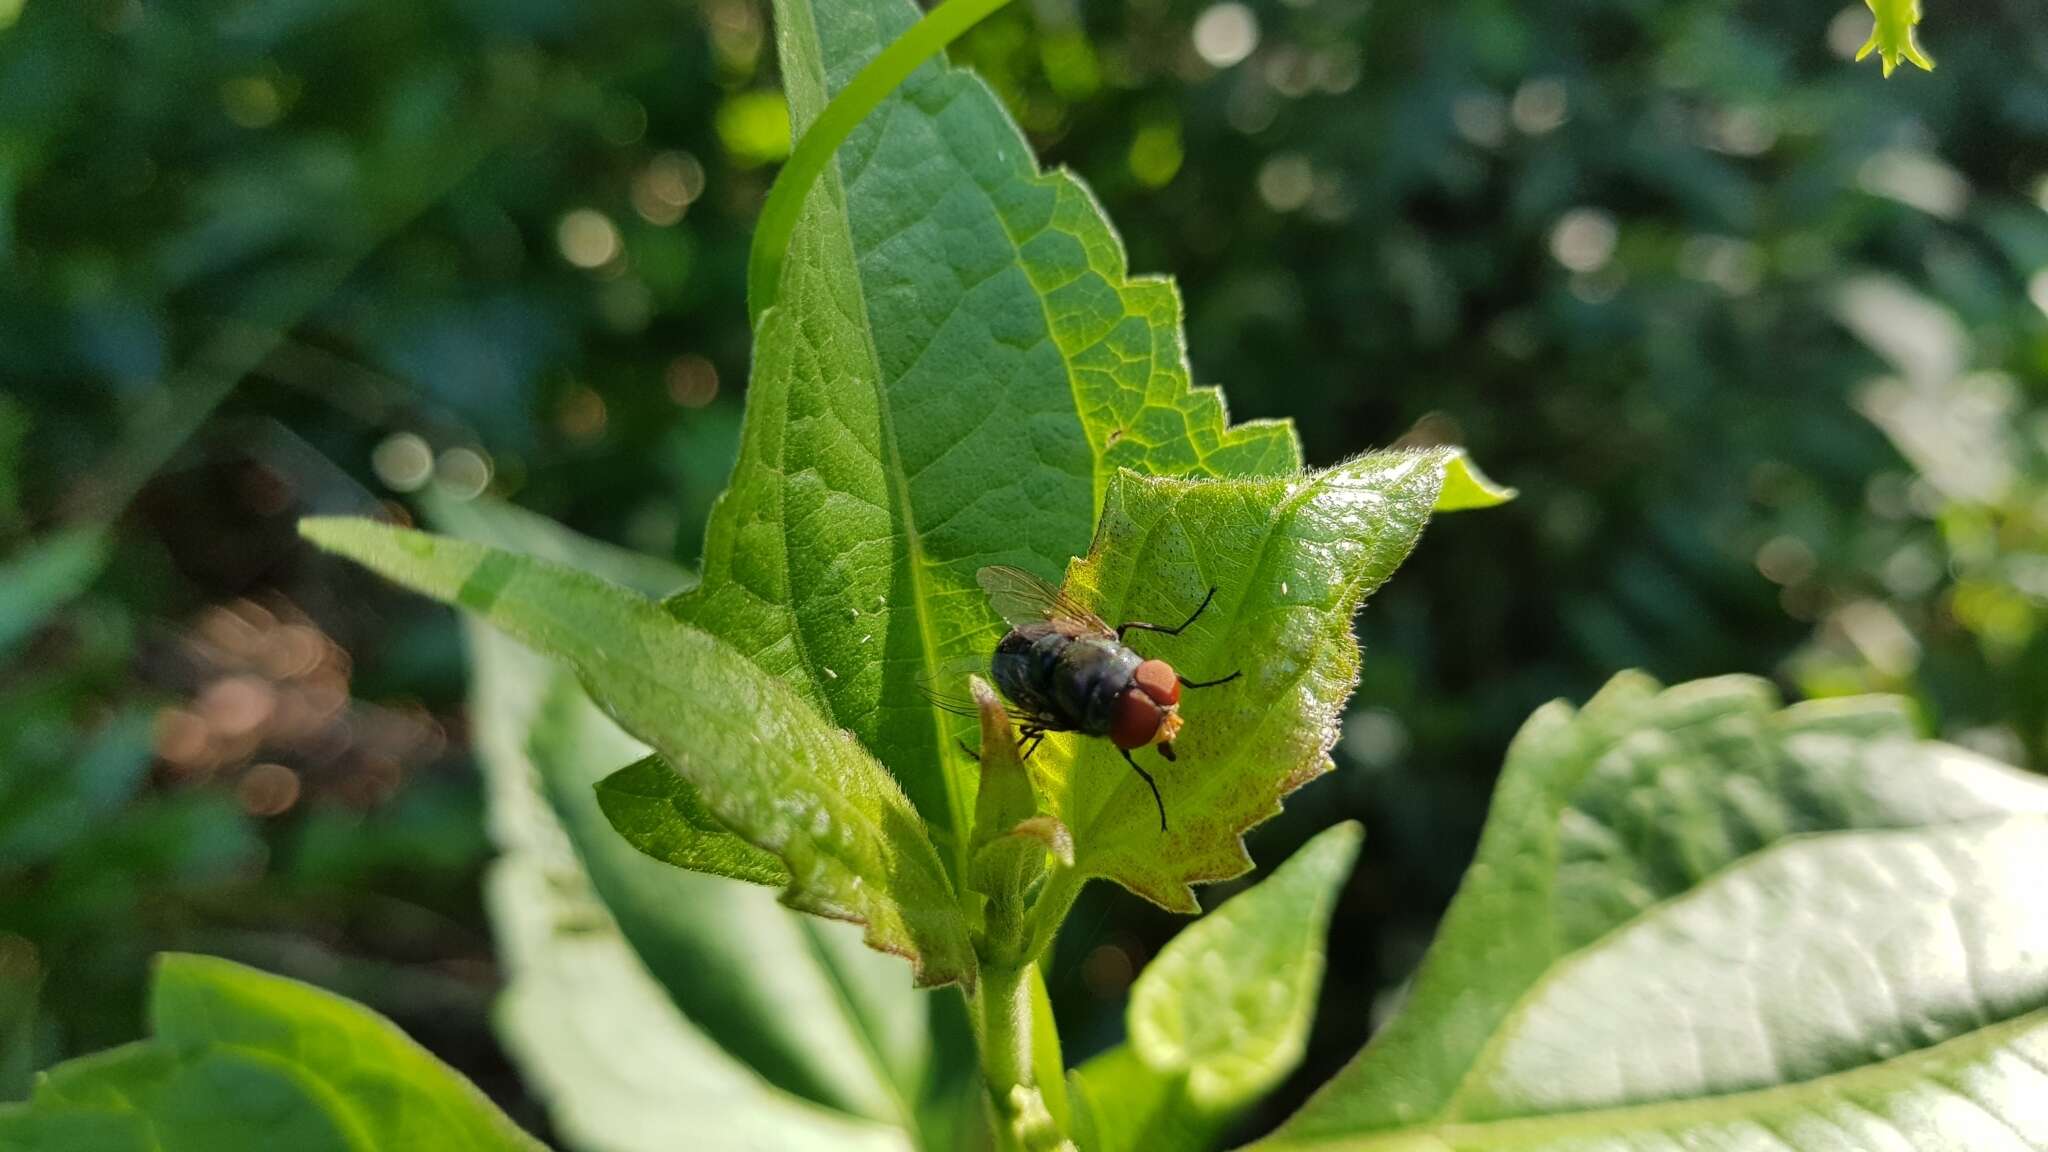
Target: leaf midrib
{"type": "Point", "coordinates": [1748, 1104]}
{"type": "Point", "coordinates": [894, 477]}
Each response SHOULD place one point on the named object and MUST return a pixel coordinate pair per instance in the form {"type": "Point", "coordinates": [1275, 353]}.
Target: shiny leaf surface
{"type": "Point", "coordinates": [1700, 921]}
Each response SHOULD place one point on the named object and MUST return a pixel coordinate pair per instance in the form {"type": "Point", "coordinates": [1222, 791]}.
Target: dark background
{"type": "Point", "coordinates": [1759, 336]}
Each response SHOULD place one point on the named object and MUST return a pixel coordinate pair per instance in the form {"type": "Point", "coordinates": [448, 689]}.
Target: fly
{"type": "Point", "coordinates": [1063, 669]}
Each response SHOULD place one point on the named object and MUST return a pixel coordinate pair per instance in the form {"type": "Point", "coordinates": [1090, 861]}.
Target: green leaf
{"type": "Point", "coordinates": [849, 107]}
{"type": "Point", "coordinates": [1291, 559]}
{"type": "Point", "coordinates": [1048, 1066]}
{"type": "Point", "coordinates": [639, 997]}
{"type": "Point", "coordinates": [242, 1060]}
{"type": "Point", "coordinates": [957, 364]}
{"type": "Point", "coordinates": [1893, 37]}
{"type": "Point", "coordinates": [46, 575]}
{"type": "Point", "coordinates": [1120, 1105]}
{"type": "Point", "coordinates": [1467, 488]}
{"type": "Point", "coordinates": [1228, 1002]}
{"type": "Point", "coordinates": [658, 812]}
{"type": "Point", "coordinates": [731, 1017]}
{"type": "Point", "coordinates": [1222, 1015]}
{"type": "Point", "coordinates": [1696, 920]}
{"type": "Point", "coordinates": [774, 771]}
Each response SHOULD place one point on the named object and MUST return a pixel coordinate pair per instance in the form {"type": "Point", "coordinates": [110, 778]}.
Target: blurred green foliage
{"type": "Point", "coordinates": [1759, 335]}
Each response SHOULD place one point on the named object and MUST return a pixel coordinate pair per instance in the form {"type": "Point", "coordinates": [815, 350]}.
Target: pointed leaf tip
{"type": "Point", "coordinates": [1290, 560]}
{"type": "Point", "coordinates": [1466, 487]}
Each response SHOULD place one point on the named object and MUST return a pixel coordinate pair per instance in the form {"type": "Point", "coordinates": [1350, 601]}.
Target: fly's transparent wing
{"type": "Point", "coordinates": [947, 689]}
{"type": "Point", "coordinates": [946, 685]}
{"type": "Point", "coordinates": [1022, 599]}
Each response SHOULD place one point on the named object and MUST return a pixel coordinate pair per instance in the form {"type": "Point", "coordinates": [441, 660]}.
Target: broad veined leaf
{"type": "Point", "coordinates": [1227, 1003]}
{"type": "Point", "coordinates": [1222, 1015]}
{"type": "Point", "coordinates": [659, 813]}
{"type": "Point", "coordinates": [238, 1060]}
{"type": "Point", "coordinates": [1698, 921]}
{"type": "Point", "coordinates": [957, 365]}
{"type": "Point", "coordinates": [1291, 559]}
{"type": "Point", "coordinates": [1893, 37]}
{"type": "Point", "coordinates": [796, 996]}
{"type": "Point", "coordinates": [773, 770]}
{"type": "Point", "coordinates": [742, 988]}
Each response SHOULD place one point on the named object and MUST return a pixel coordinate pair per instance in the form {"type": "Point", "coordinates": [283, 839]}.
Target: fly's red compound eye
{"type": "Point", "coordinates": [1136, 719]}
{"type": "Point", "coordinates": [1157, 678]}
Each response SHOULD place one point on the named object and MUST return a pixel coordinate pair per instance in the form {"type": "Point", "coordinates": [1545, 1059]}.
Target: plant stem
{"type": "Point", "coordinates": [1006, 1033]}
{"type": "Point", "coordinates": [1003, 1016]}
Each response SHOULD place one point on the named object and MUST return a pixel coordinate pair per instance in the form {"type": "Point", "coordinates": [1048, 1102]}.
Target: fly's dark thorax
{"type": "Point", "coordinates": [1073, 680]}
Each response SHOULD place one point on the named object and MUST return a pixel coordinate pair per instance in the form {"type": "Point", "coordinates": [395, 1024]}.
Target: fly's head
{"type": "Point", "coordinates": [1148, 711]}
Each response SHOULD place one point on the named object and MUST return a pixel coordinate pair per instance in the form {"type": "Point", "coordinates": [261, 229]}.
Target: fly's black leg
{"type": "Point", "coordinates": [972, 754]}
{"type": "Point", "coordinates": [1028, 741]}
{"type": "Point", "coordinates": [1163, 629]}
{"type": "Point", "coordinates": [1187, 683]}
{"type": "Point", "coordinates": [1150, 783]}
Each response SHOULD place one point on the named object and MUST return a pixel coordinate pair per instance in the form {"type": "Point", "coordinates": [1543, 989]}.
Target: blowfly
{"type": "Point", "coordinates": [1063, 669]}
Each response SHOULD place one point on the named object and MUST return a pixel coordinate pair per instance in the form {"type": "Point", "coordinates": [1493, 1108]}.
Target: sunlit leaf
{"type": "Point", "coordinates": [1222, 1014]}
{"type": "Point", "coordinates": [1227, 1003]}
{"type": "Point", "coordinates": [1893, 37]}
{"type": "Point", "coordinates": [957, 365]}
{"type": "Point", "coordinates": [772, 769]}
{"type": "Point", "coordinates": [241, 1060]}
{"type": "Point", "coordinates": [1698, 921]}
{"type": "Point", "coordinates": [1291, 559]}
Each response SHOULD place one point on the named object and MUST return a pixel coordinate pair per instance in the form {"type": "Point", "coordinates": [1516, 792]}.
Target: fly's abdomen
{"type": "Point", "coordinates": [1024, 668]}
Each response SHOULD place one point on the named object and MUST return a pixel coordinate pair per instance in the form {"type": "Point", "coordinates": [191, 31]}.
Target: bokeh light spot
{"type": "Point", "coordinates": [1156, 154]}
{"type": "Point", "coordinates": [1540, 106]}
{"type": "Point", "coordinates": [465, 471]}
{"type": "Point", "coordinates": [692, 381]}
{"type": "Point", "coordinates": [588, 238]}
{"type": "Point", "coordinates": [404, 462]}
{"type": "Point", "coordinates": [1286, 181]}
{"type": "Point", "coordinates": [1481, 118]}
{"type": "Point", "coordinates": [665, 189]}
{"type": "Point", "coordinates": [1583, 239]}
{"type": "Point", "coordinates": [268, 790]}
{"type": "Point", "coordinates": [1225, 34]}
{"type": "Point", "coordinates": [754, 127]}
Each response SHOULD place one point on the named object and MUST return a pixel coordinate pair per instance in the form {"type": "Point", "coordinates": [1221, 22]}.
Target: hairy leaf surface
{"type": "Point", "coordinates": [1698, 921]}
{"type": "Point", "coordinates": [659, 813]}
{"type": "Point", "coordinates": [242, 1060]}
{"type": "Point", "coordinates": [1291, 559]}
{"type": "Point", "coordinates": [771, 768]}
